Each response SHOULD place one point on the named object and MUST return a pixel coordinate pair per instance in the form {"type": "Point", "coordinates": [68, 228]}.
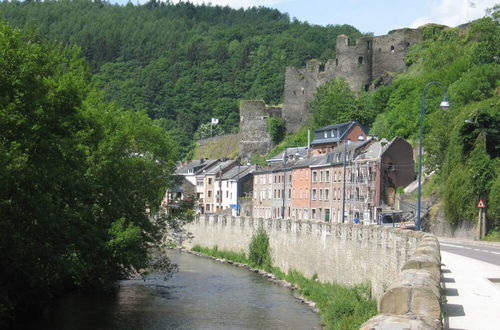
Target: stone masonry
{"type": "Point", "coordinates": [364, 64]}
{"type": "Point", "coordinates": [254, 136]}
{"type": "Point", "coordinates": [403, 267]}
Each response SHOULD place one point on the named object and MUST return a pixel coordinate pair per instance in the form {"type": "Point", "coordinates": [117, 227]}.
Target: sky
{"type": "Point", "coordinates": [377, 16]}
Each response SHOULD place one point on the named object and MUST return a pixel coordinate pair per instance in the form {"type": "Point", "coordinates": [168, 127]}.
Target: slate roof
{"type": "Point", "coordinates": [243, 171]}
{"type": "Point", "coordinates": [334, 133]}
{"type": "Point", "coordinates": [194, 166]}
{"type": "Point", "coordinates": [299, 152]}
{"type": "Point", "coordinates": [219, 167]}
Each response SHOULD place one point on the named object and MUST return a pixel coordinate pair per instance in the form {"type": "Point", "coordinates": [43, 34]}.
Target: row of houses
{"type": "Point", "coordinates": [343, 171]}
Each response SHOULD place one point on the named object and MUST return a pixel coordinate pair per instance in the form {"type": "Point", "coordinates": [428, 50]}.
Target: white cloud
{"type": "Point", "coordinates": [454, 12]}
{"type": "Point", "coordinates": [237, 3]}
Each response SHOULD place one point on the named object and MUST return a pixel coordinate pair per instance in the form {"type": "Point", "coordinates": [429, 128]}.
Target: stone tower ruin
{"type": "Point", "coordinates": [365, 64]}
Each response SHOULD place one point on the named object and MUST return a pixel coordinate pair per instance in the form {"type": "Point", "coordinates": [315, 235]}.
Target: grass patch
{"type": "Point", "coordinates": [341, 307]}
{"type": "Point", "coordinates": [228, 255]}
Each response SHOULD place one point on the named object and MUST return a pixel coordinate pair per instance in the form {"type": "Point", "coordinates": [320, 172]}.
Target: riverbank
{"type": "Point", "coordinates": [339, 307]}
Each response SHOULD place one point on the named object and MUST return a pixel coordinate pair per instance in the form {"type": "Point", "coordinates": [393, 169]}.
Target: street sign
{"type": "Point", "coordinates": [481, 204]}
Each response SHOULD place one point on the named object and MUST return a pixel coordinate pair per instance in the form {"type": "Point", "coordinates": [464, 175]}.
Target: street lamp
{"type": "Point", "coordinates": [445, 104]}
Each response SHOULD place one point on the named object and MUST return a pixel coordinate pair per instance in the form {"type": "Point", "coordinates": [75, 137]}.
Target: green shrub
{"type": "Point", "coordinates": [259, 252]}
{"type": "Point", "coordinates": [276, 128]}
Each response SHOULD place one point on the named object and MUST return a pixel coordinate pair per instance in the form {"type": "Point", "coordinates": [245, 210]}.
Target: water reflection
{"type": "Point", "coordinates": [202, 295]}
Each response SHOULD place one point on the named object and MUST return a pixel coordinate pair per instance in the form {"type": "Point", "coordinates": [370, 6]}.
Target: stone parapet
{"type": "Point", "coordinates": [413, 300]}
{"type": "Point", "coordinates": [403, 267]}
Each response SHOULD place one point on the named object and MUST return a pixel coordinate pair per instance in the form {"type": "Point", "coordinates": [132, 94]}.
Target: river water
{"type": "Point", "coordinates": [204, 294]}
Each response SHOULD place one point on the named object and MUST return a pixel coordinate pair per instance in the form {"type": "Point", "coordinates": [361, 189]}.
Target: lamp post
{"type": "Point", "coordinates": [444, 105]}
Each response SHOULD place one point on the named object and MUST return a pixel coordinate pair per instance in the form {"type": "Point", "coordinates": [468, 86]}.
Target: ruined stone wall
{"type": "Point", "coordinates": [342, 253]}
{"type": "Point", "coordinates": [361, 64]}
{"type": "Point", "coordinates": [354, 62]}
{"type": "Point", "coordinates": [389, 50]}
{"type": "Point", "coordinates": [300, 87]}
{"type": "Point", "coordinates": [254, 137]}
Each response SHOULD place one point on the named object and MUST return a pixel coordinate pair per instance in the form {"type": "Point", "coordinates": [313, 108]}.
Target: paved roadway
{"type": "Point", "coordinates": [471, 277]}
{"type": "Point", "coordinates": [484, 253]}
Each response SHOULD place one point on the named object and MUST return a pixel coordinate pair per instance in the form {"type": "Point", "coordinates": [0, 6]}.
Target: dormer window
{"type": "Point", "coordinates": [325, 134]}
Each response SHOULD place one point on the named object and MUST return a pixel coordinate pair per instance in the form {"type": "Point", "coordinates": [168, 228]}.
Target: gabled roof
{"type": "Point", "coordinates": [294, 152]}
{"type": "Point", "coordinates": [351, 146]}
{"type": "Point", "coordinates": [334, 133]}
{"type": "Point", "coordinates": [310, 161]}
{"type": "Point", "coordinates": [238, 171]}
{"type": "Point", "coordinates": [219, 167]}
{"type": "Point", "coordinates": [194, 166]}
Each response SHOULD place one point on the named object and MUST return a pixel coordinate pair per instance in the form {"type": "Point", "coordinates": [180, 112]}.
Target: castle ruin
{"type": "Point", "coordinates": [365, 64]}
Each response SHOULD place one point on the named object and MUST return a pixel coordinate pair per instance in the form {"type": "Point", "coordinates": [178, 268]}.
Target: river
{"type": "Point", "coordinates": [204, 294]}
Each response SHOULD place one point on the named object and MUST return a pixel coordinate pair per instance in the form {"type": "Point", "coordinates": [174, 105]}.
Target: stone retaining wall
{"type": "Point", "coordinates": [403, 264]}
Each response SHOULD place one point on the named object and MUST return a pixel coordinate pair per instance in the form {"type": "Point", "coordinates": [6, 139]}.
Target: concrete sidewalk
{"type": "Point", "coordinates": [472, 300]}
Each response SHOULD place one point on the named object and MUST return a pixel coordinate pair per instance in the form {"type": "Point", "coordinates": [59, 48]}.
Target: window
{"type": "Point", "coordinates": [306, 214]}
{"type": "Point", "coordinates": [314, 194]}
{"type": "Point", "coordinates": [199, 182]}
{"type": "Point", "coordinates": [321, 194]}
{"type": "Point", "coordinates": [336, 62]}
{"type": "Point", "coordinates": [227, 194]}
{"type": "Point", "coordinates": [315, 175]}
{"type": "Point", "coordinates": [313, 214]}
{"type": "Point", "coordinates": [209, 180]}
{"type": "Point", "coordinates": [325, 134]}
{"type": "Point", "coordinates": [210, 193]}
{"type": "Point", "coordinates": [327, 194]}
{"type": "Point", "coordinates": [360, 60]}
{"type": "Point", "coordinates": [270, 178]}
{"type": "Point", "coordinates": [327, 215]}
{"type": "Point", "coordinates": [289, 193]}
{"type": "Point", "coordinates": [327, 176]}
{"type": "Point", "coordinates": [392, 49]}
{"type": "Point", "coordinates": [320, 176]}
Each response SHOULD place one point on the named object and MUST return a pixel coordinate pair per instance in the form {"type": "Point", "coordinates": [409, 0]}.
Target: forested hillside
{"type": "Point", "coordinates": [182, 64]}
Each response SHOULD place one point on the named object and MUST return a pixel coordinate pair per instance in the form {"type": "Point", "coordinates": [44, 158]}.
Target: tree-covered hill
{"type": "Point", "coordinates": [181, 63]}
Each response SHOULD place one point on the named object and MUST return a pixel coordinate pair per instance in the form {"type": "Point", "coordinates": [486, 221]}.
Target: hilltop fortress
{"type": "Point", "coordinates": [365, 64]}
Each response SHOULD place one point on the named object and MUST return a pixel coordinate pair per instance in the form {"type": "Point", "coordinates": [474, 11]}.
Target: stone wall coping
{"type": "Point", "coordinates": [413, 300]}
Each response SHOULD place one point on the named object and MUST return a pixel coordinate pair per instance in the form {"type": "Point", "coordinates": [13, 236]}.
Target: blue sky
{"type": "Point", "coordinates": [378, 16]}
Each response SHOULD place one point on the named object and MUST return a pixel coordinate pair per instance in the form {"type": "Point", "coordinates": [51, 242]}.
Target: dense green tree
{"type": "Point", "coordinates": [80, 177]}
{"type": "Point", "coordinates": [336, 103]}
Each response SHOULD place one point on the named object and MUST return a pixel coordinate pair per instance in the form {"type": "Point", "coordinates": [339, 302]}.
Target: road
{"type": "Point", "coordinates": [479, 252]}
{"type": "Point", "coordinates": [471, 278]}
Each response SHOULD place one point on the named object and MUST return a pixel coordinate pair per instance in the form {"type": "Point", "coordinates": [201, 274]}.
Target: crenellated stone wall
{"type": "Point", "coordinates": [403, 267]}
{"type": "Point", "coordinates": [341, 253]}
